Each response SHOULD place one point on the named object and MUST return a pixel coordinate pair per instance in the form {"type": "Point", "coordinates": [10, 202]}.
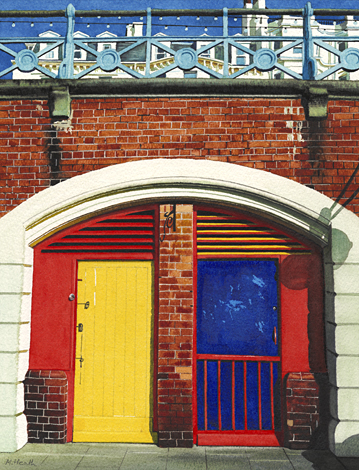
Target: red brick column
{"type": "Point", "coordinates": [46, 406]}
{"type": "Point", "coordinates": [302, 400]}
{"type": "Point", "coordinates": [175, 340]}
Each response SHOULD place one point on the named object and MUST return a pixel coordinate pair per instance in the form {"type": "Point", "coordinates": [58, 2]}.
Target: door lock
{"type": "Point", "coordinates": [81, 359]}
{"type": "Point", "coordinates": [80, 327]}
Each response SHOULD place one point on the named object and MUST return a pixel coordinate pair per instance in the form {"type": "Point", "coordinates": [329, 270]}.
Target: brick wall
{"type": "Point", "coordinates": [175, 336]}
{"type": "Point", "coordinates": [268, 134]}
{"type": "Point", "coordinates": [46, 406]}
{"type": "Point", "coordinates": [303, 410]}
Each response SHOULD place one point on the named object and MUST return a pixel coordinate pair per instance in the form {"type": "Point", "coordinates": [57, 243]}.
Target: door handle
{"type": "Point", "coordinates": [80, 327]}
{"type": "Point", "coordinates": [274, 336]}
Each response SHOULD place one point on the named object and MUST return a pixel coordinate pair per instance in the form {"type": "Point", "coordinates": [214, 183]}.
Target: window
{"type": "Point", "coordinates": [190, 74]}
{"type": "Point", "coordinates": [297, 50]}
{"type": "Point", "coordinates": [77, 53]}
{"type": "Point", "coordinates": [50, 55]}
{"type": "Point", "coordinates": [240, 60]}
{"type": "Point", "coordinates": [160, 54]}
{"type": "Point", "coordinates": [206, 54]}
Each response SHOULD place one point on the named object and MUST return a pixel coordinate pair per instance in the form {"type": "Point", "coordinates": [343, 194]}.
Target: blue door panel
{"type": "Point", "coordinates": [237, 307]}
{"type": "Point", "coordinates": [226, 395]}
{"type": "Point", "coordinates": [212, 395]}
{"type": "Point", "coordinates": [237, 314]}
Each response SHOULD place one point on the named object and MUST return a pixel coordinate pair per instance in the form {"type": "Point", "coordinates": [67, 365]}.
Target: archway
{"type": "Point", "coordinates": [280, 200]}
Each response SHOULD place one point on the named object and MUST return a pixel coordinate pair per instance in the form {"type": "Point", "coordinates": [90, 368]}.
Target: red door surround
{"type": "Point", "coordinates": [134, 234]}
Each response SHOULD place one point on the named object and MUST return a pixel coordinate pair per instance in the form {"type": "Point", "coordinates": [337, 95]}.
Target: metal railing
{"type": "Point", "coordinates": [237, 45]}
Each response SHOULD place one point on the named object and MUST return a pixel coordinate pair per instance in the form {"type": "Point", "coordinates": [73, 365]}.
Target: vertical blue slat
{"type": "Point", "coordinates": [200, 395]}
{"type": "Point", "coordinates": [276, 390]}
{"type": "Point", "coordinates": [226, 395]}
{"type": "Point", "coordinates": [212, 395]}
{"type": "Point", "coordinates": [266, 397]}
{"type": "Point", "coordinates": [252, 396]}
{"type": "Point", "coordinates": [239, 396]}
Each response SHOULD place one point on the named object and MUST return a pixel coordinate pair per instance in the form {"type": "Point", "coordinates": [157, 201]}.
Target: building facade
{"type": "Point", "coordinates": [127, 162]}
{"type": "Point", "coordinates": [179, 262]}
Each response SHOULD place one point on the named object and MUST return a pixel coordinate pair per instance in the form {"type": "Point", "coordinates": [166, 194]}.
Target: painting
{"type": "Point", "coordinates": [179, 238]}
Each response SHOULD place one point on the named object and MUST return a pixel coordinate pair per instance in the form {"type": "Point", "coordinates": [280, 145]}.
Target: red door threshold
{"type": "Point", "coordinates": [250, 439]}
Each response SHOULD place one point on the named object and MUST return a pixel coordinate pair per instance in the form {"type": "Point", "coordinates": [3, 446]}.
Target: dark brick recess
{"type": "Point", "coordinates": [46, 406]}
{"type": "Point", "coordinates": [302, 419]}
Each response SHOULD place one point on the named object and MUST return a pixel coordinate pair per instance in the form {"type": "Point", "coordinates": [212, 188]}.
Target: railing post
{"type": "Point", "coordinates": [66, 69]}
{"type": "Point", "coordinates": [148, 43]}
{"type": "Point", "coordinates": [225, 43]}
{"type": "Point", "coordinates": [309, 64]}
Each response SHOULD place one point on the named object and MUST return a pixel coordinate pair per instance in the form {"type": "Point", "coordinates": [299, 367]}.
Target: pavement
{"type": "Point", "coordinates": [73, 456]}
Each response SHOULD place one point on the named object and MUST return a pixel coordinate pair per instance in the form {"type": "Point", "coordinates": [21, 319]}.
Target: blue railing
{"type": "Point", "coordinates": [237, 46]}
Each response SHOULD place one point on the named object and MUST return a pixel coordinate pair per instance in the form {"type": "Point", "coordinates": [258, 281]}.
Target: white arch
{"type": "Point", "coordinates": [277, 198]}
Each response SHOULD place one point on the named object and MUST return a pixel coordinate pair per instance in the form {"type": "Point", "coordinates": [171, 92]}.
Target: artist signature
{"type": "Point", "coordinates": [19, 462]}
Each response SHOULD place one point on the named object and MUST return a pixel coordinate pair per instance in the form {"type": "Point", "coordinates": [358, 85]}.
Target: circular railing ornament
{"type": "Point", "coordinates": [26, 60]}
{"type": "Point", "coordinates": [265, 60]}
{"type": "Point", "coordinates": [350, 59]}
{"type": "Point", "coordinates": [108, 60]}
{"type": "Point", "coordinates": [186, 58]}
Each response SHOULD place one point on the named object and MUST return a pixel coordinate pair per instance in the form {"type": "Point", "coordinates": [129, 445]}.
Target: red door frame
{"type": "Point", "coordinates": [35, 365]}
{"type": "Point", "coordinates": [244, 438]}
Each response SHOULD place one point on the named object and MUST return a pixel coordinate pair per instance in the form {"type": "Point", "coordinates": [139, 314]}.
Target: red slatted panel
{"type": "Point", "coordinates": [115, 233]}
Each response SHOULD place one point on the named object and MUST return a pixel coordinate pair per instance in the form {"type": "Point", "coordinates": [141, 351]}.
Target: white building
{"type": "Point", "coordinates": [274, 35]}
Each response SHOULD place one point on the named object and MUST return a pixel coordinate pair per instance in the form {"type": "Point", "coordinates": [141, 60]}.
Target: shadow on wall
{"type": "Point", "coordinates": [306, 273]}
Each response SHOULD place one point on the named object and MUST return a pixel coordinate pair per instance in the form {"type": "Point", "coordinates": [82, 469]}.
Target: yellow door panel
{"type": "Point", "coordinates": [113, 374]}
{"type": "Point", "coordinates": [133, 437]}
{"type": "Point", "coordinates": [112, 424]}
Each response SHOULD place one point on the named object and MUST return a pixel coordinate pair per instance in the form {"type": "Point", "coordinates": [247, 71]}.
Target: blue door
{"type": "Point", "coordinates": [238, 364]}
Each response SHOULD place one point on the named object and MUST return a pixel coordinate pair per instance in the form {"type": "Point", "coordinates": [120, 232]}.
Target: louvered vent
{"type": "Point", "coordinates": [221, 235]}
{"type": "Point", "coordinates": [132, 233]}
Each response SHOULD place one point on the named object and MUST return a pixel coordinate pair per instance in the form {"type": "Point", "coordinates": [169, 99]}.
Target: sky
{"type": "Point", "coordinates": [139, 4]}
{"type": "Point", "coordinates": [27, 27]}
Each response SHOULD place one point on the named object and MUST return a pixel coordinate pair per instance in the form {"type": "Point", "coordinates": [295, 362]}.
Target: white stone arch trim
{"type": "Point", "coordinates": [282, 200]}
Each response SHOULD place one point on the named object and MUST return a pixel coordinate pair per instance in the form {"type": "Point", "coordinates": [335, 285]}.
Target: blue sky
{"type": "Point", "coordinates": [139, 4]}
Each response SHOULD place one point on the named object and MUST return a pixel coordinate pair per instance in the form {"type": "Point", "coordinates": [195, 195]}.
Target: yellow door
{"type": "Point", "coordinates": [113, 374]}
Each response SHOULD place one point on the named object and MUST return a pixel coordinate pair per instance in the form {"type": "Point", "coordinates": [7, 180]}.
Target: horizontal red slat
{"type": "Point", "coordinates": [114, 232]}
{"type": "Point", "coordinates": [95, 240]}
{"type": "Point", "coordinates": [118, 225]}
{"type": "Point", "coordinates": [228, 357]}
{"type": "Point", "coordinates": [69, 246]}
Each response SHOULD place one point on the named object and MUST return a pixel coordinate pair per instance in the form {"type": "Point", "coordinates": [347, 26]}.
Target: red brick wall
{"type": "Point", "coordinates": [46, 406]}
{"type": "Point", "coordinates": [175, 335]}
{"type": "Point", "coordinates": [302, 403]}
{"type": "Point", "coordinates": [268, 134]}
